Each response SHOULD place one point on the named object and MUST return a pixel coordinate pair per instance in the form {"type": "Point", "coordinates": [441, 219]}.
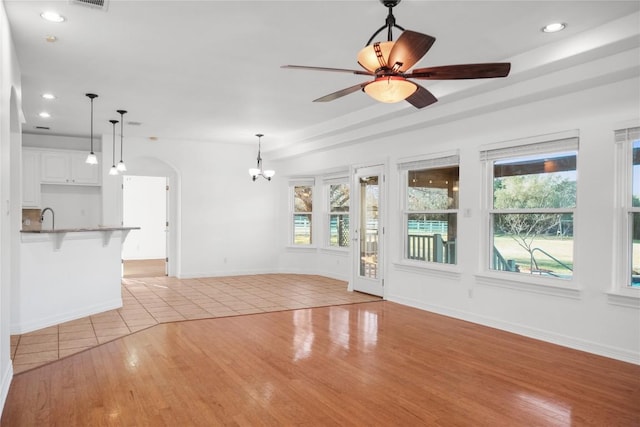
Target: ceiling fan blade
{"type": "Point", "coordinates": [462, 71]}
{"type": "Point", "coordinates": [338, 70]}
{"type": "Point", "coordinates": [341, 93]}
{"type": "Point", "coordinates": [421, 98]}
{"type": "Point", "coordinates": [409, 49]}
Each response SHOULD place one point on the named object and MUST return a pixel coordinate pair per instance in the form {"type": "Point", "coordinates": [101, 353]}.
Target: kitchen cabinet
{"type": "Point", "coordinates": [30, 178]}
{"type": "Point", "coordinates": [68, 167]}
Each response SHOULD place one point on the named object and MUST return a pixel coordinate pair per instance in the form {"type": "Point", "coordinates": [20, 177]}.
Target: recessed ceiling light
{"type": "Point", "coordinates": [51, 39]}
{"type": "Point", "coordinates": [48, 96]}
{"type": "Point", "coordinates": [44, 115]}
{"type": "Point", "coordinates": [554, 28]}
{"type": "Point", "coordinates": [52, 16]}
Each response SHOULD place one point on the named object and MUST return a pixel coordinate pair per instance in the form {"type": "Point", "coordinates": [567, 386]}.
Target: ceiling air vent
{"type": "Point", "coordinates": [94, 4]}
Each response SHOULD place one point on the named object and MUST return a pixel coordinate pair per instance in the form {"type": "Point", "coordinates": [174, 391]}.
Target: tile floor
{"type": "Point", "coordinates": [152, 300]}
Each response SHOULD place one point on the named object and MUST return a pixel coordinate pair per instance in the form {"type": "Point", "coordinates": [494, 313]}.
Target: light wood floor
{"type": "Point", "coordinates": [144, 268]}
{"type": "Point", "coordinates": [367, 364]}
{"type": "Point", "coordinates": [148, 301]}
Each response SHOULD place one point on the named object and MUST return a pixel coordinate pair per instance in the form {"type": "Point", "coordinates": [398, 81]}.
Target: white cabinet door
{"type": "Point", "coordinates": [68, 167]}
{"type": "Point", "coordinates": [83, 173]}
{"type": "Point", "coordinates": [30, 179]}
{"type": "Point", "coordinates": [56, 167]}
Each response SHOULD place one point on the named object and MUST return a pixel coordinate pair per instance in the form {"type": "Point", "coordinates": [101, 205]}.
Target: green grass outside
{"type": "Point", "coordinates": [559, 247]}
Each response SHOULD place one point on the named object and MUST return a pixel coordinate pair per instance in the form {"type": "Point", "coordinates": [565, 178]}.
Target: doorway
{"type": "Point", "coordinates": [144, 204]}
{"type": "Point", "coordinates": [368, 230]}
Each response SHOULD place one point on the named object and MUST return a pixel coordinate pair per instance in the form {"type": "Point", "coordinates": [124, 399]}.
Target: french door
{"type": "Point", "coordinates": [368, 230]}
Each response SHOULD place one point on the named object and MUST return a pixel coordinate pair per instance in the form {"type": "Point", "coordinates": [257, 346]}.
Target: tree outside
{"type": "Point", "coordinates": [542, 215]}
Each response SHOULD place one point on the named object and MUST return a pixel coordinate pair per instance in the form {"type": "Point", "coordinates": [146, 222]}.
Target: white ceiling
{"type": "Point", "coordinates": [210, 70]}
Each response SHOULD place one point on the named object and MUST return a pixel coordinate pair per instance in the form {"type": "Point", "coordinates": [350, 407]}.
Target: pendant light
{"type": "Point", "coordinates": [258, 171]}
{"type": "Point", "coordinates": [121, 166]}
{"type": "Point", "coordinates": [113, 170]}
{"type": "Point", "coordinates": [91, 158]}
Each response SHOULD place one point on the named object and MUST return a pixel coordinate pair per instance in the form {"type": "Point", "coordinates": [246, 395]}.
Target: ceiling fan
{"type": "Point", "coordinates": [388, 63]}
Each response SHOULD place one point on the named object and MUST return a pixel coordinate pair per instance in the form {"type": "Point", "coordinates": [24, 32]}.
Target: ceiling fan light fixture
{"type": "Point", "coordinates": [390, 89]}
{"type": "Point", "coordinates": [370, 56]}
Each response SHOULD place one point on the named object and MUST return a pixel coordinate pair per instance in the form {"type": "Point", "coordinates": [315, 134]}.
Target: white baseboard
{"type": "Point", "coordinates": [45, 322]}
{"type": "Point", "coordinates": [542, 335]}
{"type": "Point", "coordinates": [7, 376]}
{"type": "Point", "coordinates": [224, 273]}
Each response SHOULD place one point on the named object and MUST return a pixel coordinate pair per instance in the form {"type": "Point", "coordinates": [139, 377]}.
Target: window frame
{"type": "Point", "coordinates": [405, 166]}
{"type": "Point", "coordinates": [301, 182]}
{"type": "Point", "coordinates": [623, 224]}
{"type": "Point", "coordinates": [327, 183]}
{"type": "Point", "coordinates": [539, 145]}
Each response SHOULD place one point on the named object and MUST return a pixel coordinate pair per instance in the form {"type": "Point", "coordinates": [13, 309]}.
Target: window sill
{"type": "Point", "coordinates": [300, 248]}
{"type": "Point", "coordinates": [537, 285]}
{"type": "Point", "coordinates": [447, 271]}
{"type": "Point", "coordinates": [626, 297]}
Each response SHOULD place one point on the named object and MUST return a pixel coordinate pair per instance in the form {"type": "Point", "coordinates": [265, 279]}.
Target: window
{"type": "Point", "coordinates": [431, 209]}
{"type": "Point", "coordinates": [338, 215]}
{"type": "Point", "coordinates": [628, 146]}
{"type": "Point", "coordinates": [302, 214]}
{"type": "Point", "coordinates": [533, 199]}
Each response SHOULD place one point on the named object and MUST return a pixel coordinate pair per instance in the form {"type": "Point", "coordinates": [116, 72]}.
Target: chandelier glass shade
{"type": "Point", "coordinates": [390, 89]}
{"type": "Point", "coordinates": [375, 55]}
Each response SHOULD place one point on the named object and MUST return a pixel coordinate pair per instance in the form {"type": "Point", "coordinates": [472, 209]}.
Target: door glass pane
{"type": "Point", "coordinates": [369, 197]}
{"type": "Point", "coordinates": [635, 249]}
{"type": "Point", "coordinates": [635, 201]}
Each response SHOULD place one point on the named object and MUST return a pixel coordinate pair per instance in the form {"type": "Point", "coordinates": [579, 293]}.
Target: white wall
{"type": "Point", "coordinates": [10, 196]}
{"type": "Point", "coordinates": [225, 222]}
{"type": "Point", "coordinates": [589, 321]}
{"type": "Point", "coordinates": [61, 142]}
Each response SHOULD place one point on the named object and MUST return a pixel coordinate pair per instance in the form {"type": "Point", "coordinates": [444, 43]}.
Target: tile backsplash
{"type": "Point", "coordinates": [31, 219]}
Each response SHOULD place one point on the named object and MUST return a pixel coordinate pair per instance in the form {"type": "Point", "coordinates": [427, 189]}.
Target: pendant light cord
{"type": "Point", "coordinates": [122, 113]}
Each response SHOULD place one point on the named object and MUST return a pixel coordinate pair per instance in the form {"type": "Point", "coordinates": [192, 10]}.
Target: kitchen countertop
{"type": "Point", "coordinates": [80, 230]}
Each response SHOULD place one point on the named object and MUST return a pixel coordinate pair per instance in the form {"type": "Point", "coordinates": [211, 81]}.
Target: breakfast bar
{"type": "Point", "coordinates": [66, 274]}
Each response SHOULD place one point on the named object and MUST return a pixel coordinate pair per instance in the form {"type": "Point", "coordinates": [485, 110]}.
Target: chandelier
{"type": "Point", "coordinates": [258, 171]}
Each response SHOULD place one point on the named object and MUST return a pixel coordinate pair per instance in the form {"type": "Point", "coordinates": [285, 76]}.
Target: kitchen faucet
{"type": "Point", "coordinates": [53, 217]}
